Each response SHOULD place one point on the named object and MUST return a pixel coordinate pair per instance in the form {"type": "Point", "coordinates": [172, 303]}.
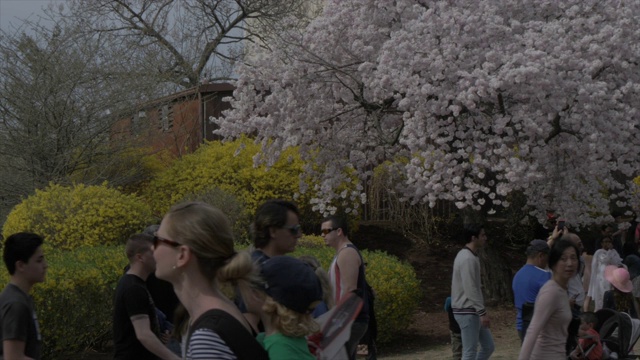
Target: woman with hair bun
{"type": "Point", "coordinates": [193, 250]}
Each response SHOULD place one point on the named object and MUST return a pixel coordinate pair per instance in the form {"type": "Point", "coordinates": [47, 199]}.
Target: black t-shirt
{"type": "Point", "coordinates": [163, 296]}
{"type": "Point", "coordinates": [132, 298]}
{"type": "Point", "coordinates": [18, 320]}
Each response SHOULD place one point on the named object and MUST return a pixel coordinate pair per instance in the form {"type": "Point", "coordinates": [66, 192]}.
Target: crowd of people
{"type": "Point", "coordinates": [173, 301]}
{"type": "Point", "coordinates": [557, 294]}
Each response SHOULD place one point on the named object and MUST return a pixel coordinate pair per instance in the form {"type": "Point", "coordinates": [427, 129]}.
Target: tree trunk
{"type": "Point", "coordinates": [496, 277]}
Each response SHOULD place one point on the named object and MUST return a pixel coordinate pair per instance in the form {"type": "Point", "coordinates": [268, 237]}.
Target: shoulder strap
{"type": "Point", "coordinates": [362, 287]}
{"type": "Point", "coordinates": [356, 249]}
{"type": "Point", "coordinates": [237, 338]}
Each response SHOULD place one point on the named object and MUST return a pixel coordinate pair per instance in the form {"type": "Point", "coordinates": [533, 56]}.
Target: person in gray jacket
{"type": "Point", "coordinates": [467, 300]}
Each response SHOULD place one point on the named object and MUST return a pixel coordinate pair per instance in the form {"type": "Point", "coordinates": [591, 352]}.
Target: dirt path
{"type": "Point", "coordinates": [430, 337]}
{"type": "Point", "coordinates": [506, 341]}
{"type": "Point", "coordinates": [505, 337]}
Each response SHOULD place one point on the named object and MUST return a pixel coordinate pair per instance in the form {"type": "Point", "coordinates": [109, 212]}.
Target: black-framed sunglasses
{"type": "Point", "coordinates": [326, 231]}
{"type": "Point", "coordinates": [158, 240]}
{"type": "Point", "coordinates": [294, 230]}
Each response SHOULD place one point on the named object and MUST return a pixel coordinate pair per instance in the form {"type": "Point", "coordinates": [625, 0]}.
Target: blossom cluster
{"type": "Point", "coordinates": [485, 98]}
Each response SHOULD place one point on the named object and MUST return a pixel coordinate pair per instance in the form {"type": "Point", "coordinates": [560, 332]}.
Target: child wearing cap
{"type": "Point", "coordinates": [284, 302]}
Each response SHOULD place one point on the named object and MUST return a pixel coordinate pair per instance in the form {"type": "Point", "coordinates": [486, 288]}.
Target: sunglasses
{"type": "Point", "coordinates": [158, 240]}
{"type": "Point", "coordinates": [326, 231]}
{"type": "Point", "coordinates": [294, 230]}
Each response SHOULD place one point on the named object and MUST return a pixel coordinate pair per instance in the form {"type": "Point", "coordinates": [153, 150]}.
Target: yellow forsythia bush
{"type": "Point", "coordinates": [75, 303]}
{"type": "Point", "coordinates": [72, 216]}
{"type": "Point", "coordinates": [229, 167]}
{"type": "Point", "coordinates": [312, 241]}
{"type": "Point", "coordinates": [394, 282]}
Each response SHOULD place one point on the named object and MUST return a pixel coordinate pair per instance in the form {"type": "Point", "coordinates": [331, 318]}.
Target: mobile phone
{"type": "Point", "coordinates": [560, 224]}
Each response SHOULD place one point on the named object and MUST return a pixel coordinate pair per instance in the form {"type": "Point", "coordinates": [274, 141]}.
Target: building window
{"type": "Point", "coordinates": [166, 117]}
{"type": "Point", "coordinates": [137, 122]}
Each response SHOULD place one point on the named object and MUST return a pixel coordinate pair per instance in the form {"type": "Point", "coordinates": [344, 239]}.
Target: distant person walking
{"type": "Point", "coordinates": [467, 299]}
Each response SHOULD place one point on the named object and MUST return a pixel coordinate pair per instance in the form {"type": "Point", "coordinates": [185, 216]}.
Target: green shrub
{"type": "Point", "coordinates": [312, 241]}
{"type": "Point", "coordinates": [74, 304]}
{"type": "Point", "coordinates": [231, 206]}
{"type": "Point", "coordinates": [79, 215]}
{"type": "Point", "coordinates": [229, 167]}
{"type": "Point", "coordinates": [394, 282]}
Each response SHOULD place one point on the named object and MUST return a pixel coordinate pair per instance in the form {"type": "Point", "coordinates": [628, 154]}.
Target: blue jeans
{"type": "Point", "coordinates": [473, 334]}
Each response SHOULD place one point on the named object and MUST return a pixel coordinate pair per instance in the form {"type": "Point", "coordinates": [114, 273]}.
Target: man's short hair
{"type": "Point", "coordinates": [20, 247]}
{"type": "Point", "coordinates": [273, 213]}
{"type": "Point", "coordinates": [471, 230]}
{"type": "Point", "coordinates": [537, 246]}
{"type": "Point", "coordinates": [138, 244]}
{"type": "Point", "coordinates": [151, 229]}
{"type": "Point", "coordinates": [339, 222]}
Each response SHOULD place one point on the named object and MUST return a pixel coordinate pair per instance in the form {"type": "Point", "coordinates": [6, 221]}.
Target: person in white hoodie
{"type": "Point", "coordinates": [467, 300]}
{"type": "Point", "coordinates": [598, 284]}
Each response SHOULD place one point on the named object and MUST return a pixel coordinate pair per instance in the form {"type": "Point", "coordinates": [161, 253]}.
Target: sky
{"type": "Point", "coordinates": [12, 11]}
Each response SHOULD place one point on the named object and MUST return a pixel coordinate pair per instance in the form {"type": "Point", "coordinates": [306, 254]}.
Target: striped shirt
{"type": "Point", "coordinates": [205, 344]}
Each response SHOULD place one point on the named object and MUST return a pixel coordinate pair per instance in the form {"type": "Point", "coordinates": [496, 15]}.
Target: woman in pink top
{"type": "Point", "coordinates": [547, 333]}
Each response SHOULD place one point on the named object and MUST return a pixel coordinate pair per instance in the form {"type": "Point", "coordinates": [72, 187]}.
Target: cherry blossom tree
{"type": "Point", "coordinates": [470, 100]}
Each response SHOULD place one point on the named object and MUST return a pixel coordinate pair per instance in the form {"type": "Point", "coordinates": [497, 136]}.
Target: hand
{"type": "Point", "coordinates": [556, 234]}
{"type": "Point", "coordinates": [484, 321]}
{"type": "Point", "coordinates": [165, 337]}
{"type": "Point", "coordinates": [572, 301]}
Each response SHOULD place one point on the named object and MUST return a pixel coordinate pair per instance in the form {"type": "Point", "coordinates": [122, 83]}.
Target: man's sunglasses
{"type": "Point", "coordinates": [294, 230]}
{"type": "Point", "coordinates": [158, 240]}
{"type": "Point", "coordinates": [326, 231]}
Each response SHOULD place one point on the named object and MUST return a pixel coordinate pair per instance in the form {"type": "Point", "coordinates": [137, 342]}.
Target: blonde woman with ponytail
{"type": "Point", "coordinates": [193, 250]}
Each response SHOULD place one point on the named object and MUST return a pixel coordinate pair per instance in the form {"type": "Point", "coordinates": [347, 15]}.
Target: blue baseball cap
{"type": "Point", "coordinates": [292, 283]}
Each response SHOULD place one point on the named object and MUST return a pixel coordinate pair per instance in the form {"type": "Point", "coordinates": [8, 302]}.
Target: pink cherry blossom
{"type": "Point", "coordinates": [470, 100]}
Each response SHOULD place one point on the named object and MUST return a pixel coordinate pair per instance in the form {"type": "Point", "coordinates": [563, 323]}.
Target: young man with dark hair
{"type": "Point", "coordinates": [347, 274]}
{"type": "Point", "coordinates": [27, 266]}
{"type": "Point", "coordinates": [276, 229]}
{"type": "Point", "coordinates": [467, 299]}
{"type": "Point", "coordinates": [136, 330]}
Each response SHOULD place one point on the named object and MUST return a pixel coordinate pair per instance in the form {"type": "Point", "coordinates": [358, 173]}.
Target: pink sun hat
{"type": "Point", "coordinates": [618, 277]}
